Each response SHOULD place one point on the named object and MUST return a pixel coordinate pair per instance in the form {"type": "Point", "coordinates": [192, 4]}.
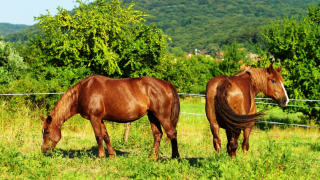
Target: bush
{"type": "Point", "coordinates": [12, 66]}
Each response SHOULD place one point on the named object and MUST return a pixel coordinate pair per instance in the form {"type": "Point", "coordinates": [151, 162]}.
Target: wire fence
{"type": "Point", "coordinates": [197, 114]}
{"type": "Point", "coordinates": [268, 122]}
{"type": "Point", "coordinates": [304, 100]}
{"type": "Point", "coordinates": [30, 94]}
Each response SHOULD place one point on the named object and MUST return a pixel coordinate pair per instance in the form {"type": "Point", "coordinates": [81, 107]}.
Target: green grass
{"type": "Point", "coordinates": [275, 152]}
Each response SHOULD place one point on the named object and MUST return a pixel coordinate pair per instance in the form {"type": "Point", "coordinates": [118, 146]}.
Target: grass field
{"type": "Point", "coordinates": [276, 152]}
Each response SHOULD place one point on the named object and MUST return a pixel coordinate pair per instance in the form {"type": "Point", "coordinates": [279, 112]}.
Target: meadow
{"type": "Point", "coordinates": [276, 151]}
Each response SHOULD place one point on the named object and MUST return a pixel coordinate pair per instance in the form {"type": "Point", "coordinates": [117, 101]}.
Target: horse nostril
{"type": "Point", "coordinates": [46, 151]}
{"type": "Point", "coordinates": [282, 102]}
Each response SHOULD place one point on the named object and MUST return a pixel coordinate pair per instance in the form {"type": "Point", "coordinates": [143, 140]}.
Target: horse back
{"type": "Point", "coordinates": [122, 100]}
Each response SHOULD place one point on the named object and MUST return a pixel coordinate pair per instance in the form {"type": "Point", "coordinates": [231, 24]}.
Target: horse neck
{"type": "Point", "coordinates": [64, 108]}
{"type": "Point", "coordinates": [59, 117]}
{"type": "Point", "coordinates": [258, 80]}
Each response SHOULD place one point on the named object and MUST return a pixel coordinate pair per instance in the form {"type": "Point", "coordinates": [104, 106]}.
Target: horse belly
{"type": "Point", "coordinates": [125, 113]}
{"type": "Point", "coordinates": [124, 110]}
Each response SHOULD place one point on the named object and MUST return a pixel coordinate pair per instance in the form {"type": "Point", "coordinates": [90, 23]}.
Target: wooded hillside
{"type": "Point", "coordinates": [7, 28]}
{"type": "Point", "coordinates": [205, 24]}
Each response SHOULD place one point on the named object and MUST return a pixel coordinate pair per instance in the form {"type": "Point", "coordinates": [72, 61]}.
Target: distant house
{"type": "Point", "coordinates": [219, 55]}
{"type": "Point", "coordinates": [197, 52]}
{"type": "Point", "coordinates": [207, 53]}
{"type": "Point", "coordinates": [189, 55]}
{"type": "Point", "coordinates": [253, 57]}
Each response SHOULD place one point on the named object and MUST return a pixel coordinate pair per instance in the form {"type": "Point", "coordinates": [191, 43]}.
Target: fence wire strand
{"type": "Point", "coordinates": [195, 95]}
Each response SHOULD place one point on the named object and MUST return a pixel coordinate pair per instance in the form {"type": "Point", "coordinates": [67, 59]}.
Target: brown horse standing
{"type": "Point", "coordinates": [99, 98]}
{"type": "Point", "coordinates": [230, 103]}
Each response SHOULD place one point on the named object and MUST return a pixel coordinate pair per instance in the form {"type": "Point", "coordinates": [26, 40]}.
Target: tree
{"type": "Point", "coordinates": [230, 65]}
{"type": "Point", "coordinates": [189, 75]}
{"type": "Point", "coordinates": [105, 36]}
{"type": "Point", "coordinates": [296, 43]}
{"type": "Point", "coordinates": [11, 64]}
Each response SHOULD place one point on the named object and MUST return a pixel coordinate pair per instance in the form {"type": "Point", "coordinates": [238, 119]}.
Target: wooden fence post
{"type": "Point", "coordinates": [126, 133]}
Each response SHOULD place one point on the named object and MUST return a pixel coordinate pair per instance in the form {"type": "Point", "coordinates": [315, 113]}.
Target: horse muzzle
{"type": "Point", "coordinates": [47, 151]}
{"type": "Point", "coordinates": [283, 102]}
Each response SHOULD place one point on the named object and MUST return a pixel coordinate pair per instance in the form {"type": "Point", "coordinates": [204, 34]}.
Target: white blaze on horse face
{"type": "Point", "coordinates": [285, 92]}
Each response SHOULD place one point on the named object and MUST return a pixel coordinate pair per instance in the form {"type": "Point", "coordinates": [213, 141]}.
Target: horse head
{"type": "Point", "coordinates": [275, 88]}
{"type": "Point", "coordinates": [51, 134]}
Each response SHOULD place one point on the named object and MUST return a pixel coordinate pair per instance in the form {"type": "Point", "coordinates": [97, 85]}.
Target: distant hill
{"type": "Point", "coordinates": [23, 34]}
{"type": "Point", "coordinates": [7, 28]}
{"type": "Point", "coordinates": [204, 24]}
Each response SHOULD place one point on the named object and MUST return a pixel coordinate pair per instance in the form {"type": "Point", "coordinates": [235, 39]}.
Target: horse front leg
{"type": "Point", "coordinates": [112, 153]}
{"type": "Point", "coordinates": [96, 124]}
{"type": "Point", "coordinates": [157, 135]}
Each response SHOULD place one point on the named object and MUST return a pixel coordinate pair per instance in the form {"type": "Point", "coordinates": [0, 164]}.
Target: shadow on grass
{"type": "Point", "coordinates": [93, 152]}
{"type": "Point", "coordinates": [194, 162]}
{"type": "Point", "coordinates": [315, 146]}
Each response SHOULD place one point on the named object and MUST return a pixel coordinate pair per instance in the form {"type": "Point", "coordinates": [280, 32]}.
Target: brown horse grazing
{"type": "Point", "coordinates": [99, 98]}
{"type": "Point", "coordinates": [230, 103]}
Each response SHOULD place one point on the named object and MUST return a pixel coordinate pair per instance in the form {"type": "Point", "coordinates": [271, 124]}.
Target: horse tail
{"type": "Point", "coordinates": [175, 107]}
{"type": "Point", "coordinates": [233, 121]}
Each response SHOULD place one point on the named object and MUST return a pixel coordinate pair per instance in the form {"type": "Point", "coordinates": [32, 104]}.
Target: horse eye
{"type": "Point", "coordinates": [46, 132]}
{"type": "Point", "coordinates": [274, 81]}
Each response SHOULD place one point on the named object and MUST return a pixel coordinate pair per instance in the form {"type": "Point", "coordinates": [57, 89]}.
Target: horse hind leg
{"type": "Point", "coordinates": [232, 142]}
{"type": "Point", "coordinates": [216, 137]}
{"type": "Point", "coordinates": [112, 153]}
{"type": "Point", "coordinates": [214, 126]}
{"type": "Point", "coordinates": [171, 133]}
{"type": "Point", "coordinates": [157, 135]}
{"type": "Point", "coordinates": [245, 143]}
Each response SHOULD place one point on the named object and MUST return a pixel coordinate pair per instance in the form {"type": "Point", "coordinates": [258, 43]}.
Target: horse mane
{"type": "Point", "coordinates": [258, 78]}
{"type": "Point", "coordinates": [62, 109]}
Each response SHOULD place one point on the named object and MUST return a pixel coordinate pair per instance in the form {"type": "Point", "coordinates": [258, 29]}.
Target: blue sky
{"type": "Point", "coordinates": [23, 11]}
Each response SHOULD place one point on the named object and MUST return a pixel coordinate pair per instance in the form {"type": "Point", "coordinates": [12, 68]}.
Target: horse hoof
{"type": "Point", "coordinates": [175, 157]}
{"type": "Point", "coordinates": [154, 158]}
{"type": "Point", "coordinates": [112, 156]}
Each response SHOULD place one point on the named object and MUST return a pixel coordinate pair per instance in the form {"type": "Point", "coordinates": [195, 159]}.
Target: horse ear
{"type": "Point", "coordinates": [42, 118]}
{"type": "Point", "coordinates": [279, 69]}
{"type": "Point", "coordinates": [248, 73]}
{"type": "Point", "coordinates": [49, 119]}
{"type": "Point", "coordinates": [270, 69]}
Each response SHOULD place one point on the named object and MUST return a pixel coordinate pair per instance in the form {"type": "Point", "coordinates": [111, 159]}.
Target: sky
{"type": "Point", "coordinates": [24, 11]}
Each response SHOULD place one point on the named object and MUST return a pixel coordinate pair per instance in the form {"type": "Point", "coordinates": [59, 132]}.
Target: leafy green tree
{"type": "Point", "coordinates": [232, 52]}
{"type": "Point", "coordinates": [12, 66]}
{"type": "Point", "coordinates": [105, 36]}
{"type": "Point", "coordinates": [189, 75]}
{"type": "Point", "coordinates": [230, 63]}
{"type": "Point", "coordinates": [177, 51]}
{"type": "Point", "coordinates": [296, 43]}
